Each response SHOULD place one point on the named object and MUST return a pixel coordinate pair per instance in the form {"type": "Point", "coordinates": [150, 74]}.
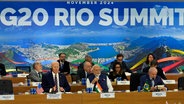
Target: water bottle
{"type": "Point", "coordinates": [139, 88]}
{"type": "Point", "coordinates": [28, 82]}
{"type": "Point", "coordinates": [83, 81]}
{"type": "Point", "coordinates": [89, 90]}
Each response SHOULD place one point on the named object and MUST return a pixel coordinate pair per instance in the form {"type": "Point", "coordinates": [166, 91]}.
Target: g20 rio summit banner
{"type": "Point", "coordinates": [39, 31]}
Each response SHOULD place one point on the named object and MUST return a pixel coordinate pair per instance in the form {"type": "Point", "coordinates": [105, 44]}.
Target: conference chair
{"type": "Point", "coordinates": [181, 83]}
{"type": "Point", "coordinates": [135, 80]}
{"type": "Point", "coordinates": [6, 87]}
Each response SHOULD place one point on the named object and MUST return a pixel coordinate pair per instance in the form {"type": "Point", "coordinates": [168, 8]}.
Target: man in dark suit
{"type": "Point", "coordinates": [64, 66]}
{"type": "Point", "coordinates": [85, 72]}
{"type": "Point", "coordinates": [119, 58]}
{"type": "Point", "coordinates": [152, 80]}
{"type": "Point", "coordinates": [87, 58]}
{"type": "Point", "coordinates": [54, 81]}
{"type": "Point", "coordinates": [36, 74]}
{"type": "Point", "coordinates": [2, 69]}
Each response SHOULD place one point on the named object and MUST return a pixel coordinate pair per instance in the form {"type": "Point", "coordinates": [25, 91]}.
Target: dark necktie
{"type": "Point", "coordinates": [40, 75]}
{"type": "Point", "coordinates": [56, 82]}
{"type": "Point", "coordinates": [152, 81]}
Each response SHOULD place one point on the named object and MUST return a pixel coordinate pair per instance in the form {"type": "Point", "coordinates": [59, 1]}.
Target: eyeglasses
{"type": "Point", "coordinates": [117, 67]}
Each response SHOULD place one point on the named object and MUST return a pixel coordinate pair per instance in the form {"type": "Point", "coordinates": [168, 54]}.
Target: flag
{"type": "Point", "coordinates": [146, 87]}
{"type": "Point", "coordinates": [98, 88]}
{"type": "Point", "coordinates": [39, 89]}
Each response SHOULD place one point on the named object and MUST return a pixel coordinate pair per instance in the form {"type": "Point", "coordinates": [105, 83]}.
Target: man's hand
{"type": "Point", "coordinates": [94, 80]}
{"type": "Point", "coordinates": [62, 89]}
{"type": "Point", "coordinates": [54, 88]}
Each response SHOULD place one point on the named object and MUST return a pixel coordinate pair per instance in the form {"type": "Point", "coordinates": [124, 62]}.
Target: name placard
{"type": "Point", "coordinates": [54, 96]}
{"type": "Point", "coordinates": [35, 83]}
{"type": "Point", "coordinates": [158, 94]}
{"type": "Point", "coordinates": [22, 75]}
{"type": "Point", "coordinates": [169, 81]}
{"type": "Point", "coordinates": [123, 82]}
{"type": "Point", "coordinates": [7, 97]}
{"type": "Point", "coordinates": [107, 95]}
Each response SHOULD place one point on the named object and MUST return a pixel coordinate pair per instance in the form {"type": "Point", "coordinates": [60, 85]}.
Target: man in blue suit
{"type": "Point", "coordinates": [152, 80]}
{"type": "Point", "coordinates": [54, 81]}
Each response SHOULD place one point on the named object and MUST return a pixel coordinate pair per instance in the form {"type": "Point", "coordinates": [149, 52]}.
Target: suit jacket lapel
{"type": "Point", "coordinates": [51, 79]}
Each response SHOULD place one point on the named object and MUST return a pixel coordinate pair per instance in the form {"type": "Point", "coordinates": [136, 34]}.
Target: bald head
{"type": "Point", "coordinates": [55, 67]}
{"type": "Point", "coordinates": [96, 69]}
{"type": "Point", "coordinates": [152, 72]}
{"type": "Point", "coordinates": [87, 66]}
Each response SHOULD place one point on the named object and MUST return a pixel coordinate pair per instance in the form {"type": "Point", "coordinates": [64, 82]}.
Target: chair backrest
{"type": "Point", "coordinates": [135, 81]}
{"type": "Point", "coordinates": [6, 87]}
{"type": "Point", "coordinates": [69, 78]}
{"type": "Point", "coordinates": [181, 83]}
{"type": "Point", "coordinates": [74, 77]}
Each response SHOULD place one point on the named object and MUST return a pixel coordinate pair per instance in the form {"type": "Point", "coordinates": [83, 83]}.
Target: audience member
{"type": "Point", "coordinates": [154, 63]}
{"type": "Point", "coordinates": [119, 58]}
{"type": "Point", "coordinates": [36, 74]}
{"type": "Point", "coordinates": [64, 66]}
{"type": "Point", "coordinates": [53, 81]}
{"type": "Point", "coordinates": [98, 81]}
{"type": "Point", "coordinates": [85, 72]}
{"type": "Point", "coordinates": [88, 58]}
{"type": "Point", "coordinates": [150, 57]}
{"type": "Point", "coordinates": [117, 72]}
{"type": "Point", "coordinates": [2, 69]}
{"type": "Point", "coordinates": [152, 80]}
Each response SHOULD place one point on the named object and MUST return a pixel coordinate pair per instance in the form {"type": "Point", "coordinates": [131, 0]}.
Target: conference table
{"type": "Point", "coordinates": [95, 98]}
{"type": "Point", "coordinates": [79, 87]}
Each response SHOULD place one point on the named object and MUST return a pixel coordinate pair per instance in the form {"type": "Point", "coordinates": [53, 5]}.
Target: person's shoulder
{"type": "Point", "coordinates": [159, 68]}
{"type": "Point", "coordinates": [144, 76]}
{"type": "Point", "coordinates": [145, 70]}
{"type": "Point", "coordinates": [91, 75]}
{"type": "Point", "coordinates": [67, 62]}
{"type": "Point", "coordinates": [113, 61]}
{"type": "Point", "coordinates": [81, 64]}
{"type": "Point", "coordinates": [103, 74]}
{"type": "Point", "coordinates": [62, 75]}
{"type": "Point", "coordinates": [32, 72]}
{"type": "Point", "coordinates": [48, 73]}
{"type": "Point", "coordinates": [2, 65]}
{"type": "Point", "coordinates": [158, 77]}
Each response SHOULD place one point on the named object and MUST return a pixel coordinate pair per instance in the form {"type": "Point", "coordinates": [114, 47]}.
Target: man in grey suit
{"type": "Point", "coordinates": [36, 74]}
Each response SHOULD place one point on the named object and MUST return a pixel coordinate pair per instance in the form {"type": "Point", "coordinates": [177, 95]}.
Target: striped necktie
{"type": "Point", "coordinates": [56, 82]}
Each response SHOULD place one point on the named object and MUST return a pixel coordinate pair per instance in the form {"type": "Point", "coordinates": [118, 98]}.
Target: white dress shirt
{"type": "Point", "coordinates": [57, 75]}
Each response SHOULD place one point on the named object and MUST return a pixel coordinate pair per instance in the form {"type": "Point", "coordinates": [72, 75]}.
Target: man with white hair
{"type": "Point", "coordinates": [53, 81]}
{"type": "Point", "coordinates": [36, 74]}
{"type": "Point", "coordinates": [98, 81]}
{"type": "Point", "coordinates": [152, 80]}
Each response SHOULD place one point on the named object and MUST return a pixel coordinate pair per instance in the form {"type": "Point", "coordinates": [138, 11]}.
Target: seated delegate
{"type": "Point", "coordinates": [151, 81]}
{"type": "Point", "coordinates": [117, 72]}
{"type": "Point", "coordinates": [98, 81]}
{"type": "Point", "coordinates": [54, 81]}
